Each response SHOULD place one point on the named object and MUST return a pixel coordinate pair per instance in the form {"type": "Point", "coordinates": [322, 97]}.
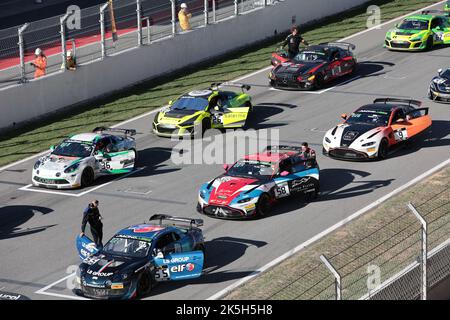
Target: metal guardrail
{"type": "Point", "coordinates": [136, 23]}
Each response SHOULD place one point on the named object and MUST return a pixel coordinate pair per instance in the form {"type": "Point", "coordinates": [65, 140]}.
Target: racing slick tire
{"type": "Point", "coordinates": [206, 125]}
{"type": "Point", "coordinates": [263, 205]}
{"type": "Point", "coordinates": [144, 285]}
{"type": "Point", "coordinates": [311, 196]}
{"type": "Point", "coordinates": [429, 44]}
{"type": "Point", "coordinates": [249, 114]}
{"type": "Point", "coordinates": [135, 158]}
{"type": "Point", "coordinates": [87, 177]}
{"type": "Point", "coordinates": [383, 149]}
{"type": "Point", "coordinates": [318, 84]}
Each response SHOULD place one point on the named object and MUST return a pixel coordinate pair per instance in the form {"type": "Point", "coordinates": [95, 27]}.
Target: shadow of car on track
{"type": "Point", "coordinates": [262, 113]}
{"type": "Point", "coordinates": [12, 217]}
{"type": "Point", "coordinates": [436, 136]}
{"type": "Point", "coordinates": [152, 159]}
{"type": "Point", "coordinates": [219, 253]}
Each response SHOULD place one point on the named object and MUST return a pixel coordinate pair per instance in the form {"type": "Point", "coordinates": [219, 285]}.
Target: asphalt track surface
{"type": "Point", "coordinates": [38, 230]}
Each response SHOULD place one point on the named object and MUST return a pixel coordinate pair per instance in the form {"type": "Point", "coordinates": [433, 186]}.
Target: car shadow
{"type": "Point", "coordinates": [436, 136]}
{"type": "Point", "coordinates": [12, 217]}
{"type": "Point", "coordinates": [262, 112]}
{"type": "Point", "coordinates": [152, 161]}
{"type": "Point", "coordinates": [219, 253]}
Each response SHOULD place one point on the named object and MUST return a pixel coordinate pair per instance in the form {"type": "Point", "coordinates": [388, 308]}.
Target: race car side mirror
{"type": "Point", "coordinates": [344, 116]}
{"type": "Point", "coordinates": [284, 173]}
{"type": "Point", "coordinates": [52, 148]}
{"type": "Point", "coordinates": [226, 167]}
{"type": "Point", "coordinates": [439, 71]}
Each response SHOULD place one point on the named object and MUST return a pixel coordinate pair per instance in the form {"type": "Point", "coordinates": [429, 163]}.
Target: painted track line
{"type": "Point", "coordinates": [58, 295]}
{"type": "Point", "coordinates": [27, 187]}
{"type": "Point", "coordinates": [329, 230]}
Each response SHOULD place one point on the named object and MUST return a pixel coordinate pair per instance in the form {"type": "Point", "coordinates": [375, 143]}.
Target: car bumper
{"type": "Point", "coordinates": [347, 154]}
{"type": "Point", "coordinates": [292, 85]}
{"type": "Point", "coordinates": [441, 96]}
{"type": "Point", "coordinates": [405, 45]}
{"type": "Point", "coordinates": [106, 293]}
{"type": "Point", "coordinates": [169, 131]}
{"type": "Point", "coordinates": [226, 212]}
{"type": "Point", "coordinates": [55, 183]}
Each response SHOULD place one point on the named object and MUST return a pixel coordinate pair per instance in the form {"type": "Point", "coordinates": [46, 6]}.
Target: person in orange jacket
{"type": "Point", "coordinates": [184, 16]}
{"type": "Point", "coordinates": [39, 63]}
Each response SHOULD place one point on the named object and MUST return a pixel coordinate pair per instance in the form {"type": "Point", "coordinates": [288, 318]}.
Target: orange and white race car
{"type": "Point", "coordinates": [373, 129]}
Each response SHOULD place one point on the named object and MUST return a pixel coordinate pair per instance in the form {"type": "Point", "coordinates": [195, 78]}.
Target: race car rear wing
{"type": "Point", "coordinates": [127, 132]}
{"type": "Point", "coordinates": [164, 217]}
{"type": "Point", "coordinates": [409, 102]}
{"type": "Point", "coordinates": [283, 149]}
{"type": "Point", "coordinates": [436, 13]}
{"type": "Point", "coordinates": [344, 45]}
{"type": "Point", "coordinates": [243, 86]}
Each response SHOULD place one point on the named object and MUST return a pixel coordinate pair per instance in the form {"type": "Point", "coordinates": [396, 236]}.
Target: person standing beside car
{"type": "Point", "coordinates": [293, 42]}
{"type": "Point", "coordinates": [92, 216]}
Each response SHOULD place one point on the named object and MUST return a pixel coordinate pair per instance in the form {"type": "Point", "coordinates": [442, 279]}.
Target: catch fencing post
{"type": "Point", "coordinates": [174, 20]}
{"type": "Point", "coordinates": [205, 12]}
{"type": "Point", "coordinates": [424, 250]}
{"type": "Point", "coordinates": [236, 7]}
{"type": "Point", "coordinates": [147, 21]}
{"type": "Point", "coordinates": [214, 10]}
{"type": "Point", "coordinates": [20, 32]}
{"type": "Point", "coordinates": [102, 28]}
{"type": "Point", "coordinates": [139, 22]}
{"type": "Point", "coordinates": [62, 24]}
{"type": "Point", "coordinates": [336, 275]}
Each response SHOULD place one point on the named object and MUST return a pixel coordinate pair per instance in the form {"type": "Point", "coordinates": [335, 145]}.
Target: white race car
{"type": "Point", "coordinates": [79, 160]}
{"type": "Point", "coordinates": [373, 129]}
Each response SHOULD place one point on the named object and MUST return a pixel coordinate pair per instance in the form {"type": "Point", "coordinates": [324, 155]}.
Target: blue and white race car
{"type": "Point", "coordinates": [79, 160]}
{"type": "Point", "coordinates": [253, 184]}
{"type": "Point", "coordinates": [138, 257]}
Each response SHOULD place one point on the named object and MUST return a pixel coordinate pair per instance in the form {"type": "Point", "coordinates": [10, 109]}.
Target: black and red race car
{"type": "Point", "coordinates": [312, 67]}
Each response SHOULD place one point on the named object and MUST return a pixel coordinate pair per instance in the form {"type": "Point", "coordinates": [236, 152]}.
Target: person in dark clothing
{"type": "Point", "coordinates": [293, 42]}
{"type": "Point", "coordinates": [307, 153]}
{"type": "Point", "coordinates": [92, 215]}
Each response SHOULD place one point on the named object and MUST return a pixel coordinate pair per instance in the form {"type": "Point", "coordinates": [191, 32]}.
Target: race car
{"type": "Point", "coordinates": [82, 158]}
{"type": "Point", "coordinates": [138, 257]}
{"type": "Point", "coordinates": [253, 184]}
{"type": "Point", "coordinates": [197, 111]}
{"type": "Point", "coordinates": [420, 32]}
{"type": "Point", "coordinates": [439, 89]}
{"type": "Point", "coordinates": [312, 67]}
{"type": "Point", "coordinates": [372, 130]}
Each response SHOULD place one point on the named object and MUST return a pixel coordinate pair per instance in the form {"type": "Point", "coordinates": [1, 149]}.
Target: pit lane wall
{"type": "Point", "coordinates": [37, 98]}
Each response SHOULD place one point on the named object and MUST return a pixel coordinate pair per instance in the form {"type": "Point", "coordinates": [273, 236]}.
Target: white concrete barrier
{"type": "Point", "coordinates": [37, 98]}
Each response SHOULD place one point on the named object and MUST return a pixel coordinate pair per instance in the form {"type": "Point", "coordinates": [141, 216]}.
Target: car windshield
{"type": "Point", "coordinates": [190, 103]}
{"type": "Point", "coordinates": [73, 149]}
{"type": "Point", "coordinates": [446, 74]}
{"type": "Point", "coordinates": [378, 118]}
{"type": "Point", "coordinates": [252, 168]}
{"type": "Point", "coordinates": [414, 25]}
{"type": "Point", "coordinates": [127, 247]}
{"type": "Point", "coordinates": [310, 56]}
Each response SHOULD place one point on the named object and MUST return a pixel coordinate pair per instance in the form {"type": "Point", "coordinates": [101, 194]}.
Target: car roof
{"type": "Point", "coordinates": [145, 231]}
{"type": "Point", "coordinates": [89, 137]}
{"type": "Point", "coordinates": [269, 156]}
{"type": "Point", "coordinates": [386, 107]}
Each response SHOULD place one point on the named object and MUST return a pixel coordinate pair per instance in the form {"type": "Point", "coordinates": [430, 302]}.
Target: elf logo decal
{"type": "Point", "coordinates": [182, 267]}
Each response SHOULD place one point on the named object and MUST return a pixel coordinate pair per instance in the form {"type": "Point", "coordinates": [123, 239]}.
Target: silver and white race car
{"type": "Point", "coordinates": [79, 160]}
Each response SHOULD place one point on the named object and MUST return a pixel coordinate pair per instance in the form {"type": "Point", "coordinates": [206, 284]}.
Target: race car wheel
{"type": "Point", "coordinates": [311, 196]}
{"type": "Point", "coordinates": [144, 285]}
{"type": "Point", "coordinates": [383, 149]}
{"type": "Point", "coordinates": [263, 205]}
{"type": "Point", "coordinates": [247, 120]}
{"type": "Point", "coordinates": [87, 177]}
{"type": "Point", "coordinates": [206, 125]}
{"type": "Point", "coordinates": [318, 84]}
{"type": "Point", "coordinates": [429, 44]}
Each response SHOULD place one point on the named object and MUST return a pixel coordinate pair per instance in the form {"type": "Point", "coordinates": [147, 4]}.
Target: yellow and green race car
{"type": "Point", "coordinates": [193, 113]}
{"type": "Point", "coordinates": [420, 32]}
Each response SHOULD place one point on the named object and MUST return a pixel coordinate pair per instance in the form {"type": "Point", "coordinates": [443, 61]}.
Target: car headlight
{"type": "Point", "coordinates": [416, 39]}
{"type": "Point", "coordinates": [312, 78]}
{"type": "Point", "coordinates": [189, 122]}
{"type": "Point", "coordinates": [72, 168]}
{"type": "Point", "coordinates": [37, 164]}
{"type": "Point", "coordinates": [388, 38]}
{"type": "Point", "coordinates": [368, 144]}
{"type": "Point", "coordinates": [202, 194]}
{"type": "Point", "coordinates": [327, 140]}
{"type": "Point", "coordinates": [245, 200]}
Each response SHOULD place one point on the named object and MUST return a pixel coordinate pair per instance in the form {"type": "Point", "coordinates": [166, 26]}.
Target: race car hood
{"type": "Point", "coordinates": [293, 68]}
{"type": "Point", "coordinates": [350, 132]}
{"type": "Point", "coordinates": [226, 188]}
{"type": "Point", "coordinates": [405, 34]}
{"type": "Point", "coordinates": [103, 267]}
{"type": "Point", "coordinates": [442, 83]}
{"type": "Point", "coordinates": [57, 163]}
{"type": "Point", "coordinates": [177, 116]}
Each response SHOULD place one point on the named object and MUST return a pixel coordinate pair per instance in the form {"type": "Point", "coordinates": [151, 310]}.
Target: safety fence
{"type": "Point", "coordinates": [93, 33]}
{"type": "Point", "coordinates": [387, 263]}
